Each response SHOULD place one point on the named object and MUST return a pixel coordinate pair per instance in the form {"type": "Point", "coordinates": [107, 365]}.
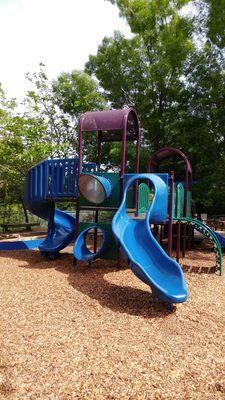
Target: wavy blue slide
{"type": "Point", "coordinates": [60, 234]}
{"type": "Point", "coordinates": [60, 226]}
{"type": "Point", "coordinates": [148, 260]}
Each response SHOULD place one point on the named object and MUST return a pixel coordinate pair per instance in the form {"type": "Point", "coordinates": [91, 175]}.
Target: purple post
{"type": "Point", "coordinates": [170, 217]}
{"type": "Point", "coordinates": [161, 235]}
{"type": "Point", "coordinates": [184, 239]}
{"type": "Point", "coordinates": [161, 155]}
{"type": "Point", "coordinates": [178, 241]}
{"type": "Point", "coordinates": [123, 160]}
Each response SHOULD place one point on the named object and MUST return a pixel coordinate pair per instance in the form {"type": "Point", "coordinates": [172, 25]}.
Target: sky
{"type": "Point", "coordinates": [59, 33]}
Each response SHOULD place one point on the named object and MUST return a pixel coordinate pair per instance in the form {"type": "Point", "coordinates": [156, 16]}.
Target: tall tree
{"type": "Point", "coordinates": [76, 93]}
{"type": "Point", "coordinates": [22, 144]}
{"type": "Point", "coordinates": [171, 71]}
{"type": "Point", "coordinates": [146, 70]}
{"type": "Point", "coordinates": [59, 105]}
{"type": "Point", "coordinates": [45, 129]}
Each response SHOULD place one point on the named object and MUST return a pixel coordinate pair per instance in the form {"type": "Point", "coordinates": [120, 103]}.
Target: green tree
{"type": "Point", "coordinates": [172, 72]}
{"type": "Point", "coordinates": [23, 144]}
{"type": "Point", "coordinates": [46, 129]}
{"type": "Point", "coordinates": [76, 93]}
{"type": "Point", "coordinates": [147, 79]}
{"type": "Point", "coordinates": [215, 22]}
{"type": "Point", "coordinates": [59, 105]}
{"type": "Point", "coordinates": [202, 128]}
{"type": "Point", "coordinates": [41, 105]}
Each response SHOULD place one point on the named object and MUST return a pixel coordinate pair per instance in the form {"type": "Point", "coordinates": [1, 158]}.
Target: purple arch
{"type": "Point", "coordinates": [114, 125]}
{"type": "Point", "coordinates": [164, 153]}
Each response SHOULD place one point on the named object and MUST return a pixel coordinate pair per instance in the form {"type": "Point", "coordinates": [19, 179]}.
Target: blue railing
{"type": "Point", "coordinates": [55, 178]}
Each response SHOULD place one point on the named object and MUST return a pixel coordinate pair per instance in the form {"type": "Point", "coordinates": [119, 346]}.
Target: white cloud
{"type": "Point", "coordinates": [61, 34]}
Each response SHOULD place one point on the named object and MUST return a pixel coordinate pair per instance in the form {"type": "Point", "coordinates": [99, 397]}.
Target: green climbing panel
{"type": "Point", "coordinates": [143, 198]}
{"type": "Point", "coordinates": [188, 204]}
{"type": "Point", "coordinates": [180, 200]}
{"type": "Point", "coordinates": [174, 213]}
{"type": "Point", "coordinates": [207, 232]}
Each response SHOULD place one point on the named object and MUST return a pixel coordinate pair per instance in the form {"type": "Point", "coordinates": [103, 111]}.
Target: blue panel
{"type": "Point", "coordinates": [55, 179]}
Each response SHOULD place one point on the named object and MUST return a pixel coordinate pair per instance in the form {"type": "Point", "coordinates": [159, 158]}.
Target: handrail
{"type": "Point", "coordinates": [55, 179]}
{"type": "Point", "coordinates": [208, 232]}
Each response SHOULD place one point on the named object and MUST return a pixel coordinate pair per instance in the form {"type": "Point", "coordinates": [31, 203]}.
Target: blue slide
{"type": "Point", "coordinates": [148, 260]}
{"type": "Point", "coordinates": [60, 226]}
{"type": "Point", "coordinates": [20, 245]}
{"type": "Point", "coordinates": [60, 234]}
{"type": "Point", "coordinates": [47, 182]}
{"type": "Point", "coordinates": [221, 239]}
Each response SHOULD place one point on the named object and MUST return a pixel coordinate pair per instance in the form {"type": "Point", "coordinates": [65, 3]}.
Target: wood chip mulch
{"type": "Point", "coordinates": [72, 333]}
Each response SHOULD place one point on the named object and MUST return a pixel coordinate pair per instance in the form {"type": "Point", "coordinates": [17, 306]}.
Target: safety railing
{"type": "Point", "coordinates": [56, 178]}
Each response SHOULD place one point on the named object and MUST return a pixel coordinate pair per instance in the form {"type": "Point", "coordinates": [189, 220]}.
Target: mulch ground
{"type": "Point", "coordinates": [96, 333]}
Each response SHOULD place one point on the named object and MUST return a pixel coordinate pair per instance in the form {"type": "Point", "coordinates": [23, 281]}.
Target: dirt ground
{"type": "Point", "coordinates": [95, 333]}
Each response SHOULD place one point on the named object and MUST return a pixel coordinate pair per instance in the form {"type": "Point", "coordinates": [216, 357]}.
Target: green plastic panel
{"type": "Point", "coordinates": [143, 198]}
{"type": "Point", "coordinates": [180, 200]}
{"type": "Point", "coordinates": [188, 204]}
{"type": "Point", "coordinates": [174, 213]}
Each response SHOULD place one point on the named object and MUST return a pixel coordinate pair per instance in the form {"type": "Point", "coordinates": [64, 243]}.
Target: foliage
{"type": "Point", "coordinates": [215, 22]}
{"type": "Point", "coordinates": [41, 104]}
{"type": "Point", "coordinates": [172, 72]}
{"type": "Point", "coordinates": [76, 93]}
{"type": "Point", "coordinates": [19, 150]}
{"type": "Point", "coordinates": [46, 128]}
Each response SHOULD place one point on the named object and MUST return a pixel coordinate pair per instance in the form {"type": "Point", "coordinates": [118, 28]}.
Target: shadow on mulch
{"type": "Point", "coordinates": [91, 282]}
{"type": "Point", "coordinates": [199, 270]}
{"type": "Point", "coordinates": [198, 260]}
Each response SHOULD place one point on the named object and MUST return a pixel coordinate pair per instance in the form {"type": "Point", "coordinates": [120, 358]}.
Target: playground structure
{"type": "Point", "coordinates": [159, 201]}
{"type": "Point", "coordinates": [180, 212]}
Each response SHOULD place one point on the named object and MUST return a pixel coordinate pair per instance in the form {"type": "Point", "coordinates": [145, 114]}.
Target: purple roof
{"type": "Point", "coordinates": [106, 120]}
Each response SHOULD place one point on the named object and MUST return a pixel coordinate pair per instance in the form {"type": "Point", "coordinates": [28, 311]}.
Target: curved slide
{"type": "Point", "coordinates": [210, 234]}
{"type": "Point", "coordinates": [38, 200]}
{"type": "Point", "coordinates": [221, 239]}
{"type": "Point", "coordinates": [60, 226]}
{"type": "Point", "coordinates": [60, 234]}
{"type": "Point", "coordinates": [46, 182]}
{"type": "Point", "coordinates": [148, 260]}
